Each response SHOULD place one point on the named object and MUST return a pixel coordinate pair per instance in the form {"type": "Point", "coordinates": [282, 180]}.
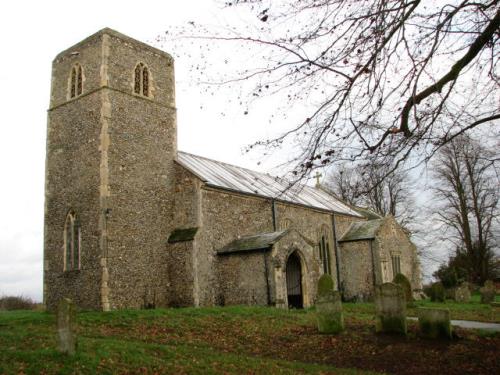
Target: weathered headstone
{"type": "Point", "coordinates": [488, 292]}
{"type": "Point", "coordinates": [434, 323]}
{"type": "Point", "coordinates": [390, 307]}
{"type": "Point", "coordinates": [66, 322]}
{"type": "Point", "coordinates": [328, 307]}
{"type": "Point", "coordinates": [462, 293]}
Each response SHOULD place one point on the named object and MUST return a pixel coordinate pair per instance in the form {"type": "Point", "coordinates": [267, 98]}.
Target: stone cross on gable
{"type": "Point", "coordinates": [318, 176]}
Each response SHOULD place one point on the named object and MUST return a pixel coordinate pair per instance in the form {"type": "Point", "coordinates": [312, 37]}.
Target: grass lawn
{"type": "Point", "coordinates": [473, 310]}
{"type": "Point", "coordinates": [235, 340]}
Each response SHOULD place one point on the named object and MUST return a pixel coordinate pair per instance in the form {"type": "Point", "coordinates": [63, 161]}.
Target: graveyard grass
{"type": "Point", "coordinates": [240, 340]}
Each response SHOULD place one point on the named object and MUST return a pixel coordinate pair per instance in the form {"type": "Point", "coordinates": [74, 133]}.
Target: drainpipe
{"type": "Point", "coordinates": [337, 250]}
{"type": "Point", "coordinates": [273, 208]}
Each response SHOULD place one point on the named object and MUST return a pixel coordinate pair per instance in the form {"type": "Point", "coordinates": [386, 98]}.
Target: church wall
{"type": "Point", "coordinates": [187, 199]}
{"type": "Point", "coordinates": [181, 274]}
{"type": "Point", "coordinates": [243, 279]}
{"type": "Point", "coordinates": [72, 183]}
{"type": "Point", "coordinates": [225, 216]}
{"type": "Point", "coordinates": [392, 240]}
{"type": "Point", "coordinates": [141, 177]}
{"type": "Point", "coordinates": [357, 270]}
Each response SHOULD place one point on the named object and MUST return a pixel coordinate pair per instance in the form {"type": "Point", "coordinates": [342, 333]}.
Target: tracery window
{"type": "Point", "coordinates": [72, 242]}
{"type": "Point", "coordinates": [396, 264]}
{"type": "Point", "coordinates": [324, 250]}
{"type": "Point", "coordinates": [141, 80]}
{"type": "Point", "coordinates": [76, 83]}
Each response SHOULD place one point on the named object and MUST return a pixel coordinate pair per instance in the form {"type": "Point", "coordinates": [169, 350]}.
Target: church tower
{"type": "Point", "coordinates": [111, 144]}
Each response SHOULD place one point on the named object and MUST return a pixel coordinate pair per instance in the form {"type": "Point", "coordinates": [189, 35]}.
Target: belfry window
{"type": "Point", "coordinates": [324, 250]}
{"type": "Point", "coordinates": [72, 242]}
{"type": "Point", "coordinates": [141, 80]}
{"type": "Point", "coordinates": [76, 81]}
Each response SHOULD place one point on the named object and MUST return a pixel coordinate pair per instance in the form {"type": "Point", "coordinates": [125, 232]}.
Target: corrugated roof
{"type": "Point", "coordinates": [231, 177]}
{"type": "Point", "coordinates": [362, 230]}
{"type": "Point", "coordinates": [259, 241]}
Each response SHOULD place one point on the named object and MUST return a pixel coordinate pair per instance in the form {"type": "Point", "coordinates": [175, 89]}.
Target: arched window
{"type": "Point", "coordinates": [324, 249]}
{"type": "Point", "coordinates": [396, 264]}
{"type": "Point", "coordinates": [72, 242]}
{"type": "Point", "coordinates": [141, 80]}
{"type": "Point", "coordinates": [76, 81]}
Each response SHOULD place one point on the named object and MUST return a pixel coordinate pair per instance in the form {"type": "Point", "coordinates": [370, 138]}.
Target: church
{"type": "Point", "coordinates": [132, 222]}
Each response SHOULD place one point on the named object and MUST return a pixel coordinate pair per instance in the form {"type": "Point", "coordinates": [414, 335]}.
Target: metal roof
{"type": "Point", "coordinates": [259, 241]}
{"type": "Point", "coordinates": [231, 177]}
{"type": "Point", "coordinates": [362, 230]}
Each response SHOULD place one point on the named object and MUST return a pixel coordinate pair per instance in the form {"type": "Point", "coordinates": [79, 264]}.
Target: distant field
{"type": "Point", "coordinates": [239, 340]}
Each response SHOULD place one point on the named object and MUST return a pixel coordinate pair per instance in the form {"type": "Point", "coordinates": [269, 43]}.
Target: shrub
{"type": "Point", "coordinates": [402, 280]}
{"type": "Point", "coordinates": [17, 303]}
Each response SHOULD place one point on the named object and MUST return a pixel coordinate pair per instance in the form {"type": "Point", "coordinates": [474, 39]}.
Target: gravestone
{"type": "Point", "coordinates": [390, 307]}
{"type": "Point", "coordinates": [462, 293]}
{"type": "Point", "coordinates": [434, 323]}
{"type": "Point", "coordinates": [66, 322]}
{"type": "Point", "coordinates": [488, 292]}
{"type": "Point", "coordinates": [328, 307]}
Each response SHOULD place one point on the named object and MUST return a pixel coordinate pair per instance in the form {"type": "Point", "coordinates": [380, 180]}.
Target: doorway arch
{"type": "Point", "coordinates": [294, 288]}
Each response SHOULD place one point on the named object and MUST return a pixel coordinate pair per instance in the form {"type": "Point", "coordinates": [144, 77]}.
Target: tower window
{"type": "Point", "coordinates": [76, 82]}
{"type": "Point", "coordinates": [72, 242]}
{"type": "Point", "coordinates": [141, 80]}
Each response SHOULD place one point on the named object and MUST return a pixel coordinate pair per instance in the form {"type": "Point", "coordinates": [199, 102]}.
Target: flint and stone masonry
{"type": "Point", "coordinates": [131, 222]}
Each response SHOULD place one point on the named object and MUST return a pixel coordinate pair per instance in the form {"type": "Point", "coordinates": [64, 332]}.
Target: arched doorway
{"type": "Point", "coordinates": [294, 281]}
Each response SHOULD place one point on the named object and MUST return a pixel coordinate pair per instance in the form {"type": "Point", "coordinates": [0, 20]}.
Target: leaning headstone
{"type": "Point", "coordinates": [390, 307]}
{"type": "Point", "coordinates": [462, 293]}
{"type": "Point", "coordinates": [434, 323]}
{"type": "Point", "coordinates": [328, 307]}
{"type": "Point", "coordinates": [488, 292]}
{"type": "Point", "coordinates": [66, 322]}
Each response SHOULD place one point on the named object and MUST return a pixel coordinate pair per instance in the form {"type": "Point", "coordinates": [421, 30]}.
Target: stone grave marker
{"type": "Point", "coordinates": [66, 322]}
{"type": "Point", "coordinates": [434, 323]}
{"type": "Point", "coordinates": [488, 292]}
{"type": "Point", "coordinates": [390, 304]}
{"type": "Point", "coordinates": [462, 293]}
{"type": "Point", "coordinates": [328, 307]}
